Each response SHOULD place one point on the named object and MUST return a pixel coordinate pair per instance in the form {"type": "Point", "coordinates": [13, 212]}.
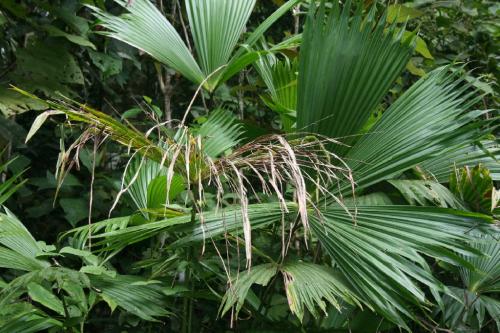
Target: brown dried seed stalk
{"type": "Point", "coordinates": [298, 162]}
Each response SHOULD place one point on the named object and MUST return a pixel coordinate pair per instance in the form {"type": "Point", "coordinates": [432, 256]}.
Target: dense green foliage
{"type": "Point", "coordinates": [249, 165]}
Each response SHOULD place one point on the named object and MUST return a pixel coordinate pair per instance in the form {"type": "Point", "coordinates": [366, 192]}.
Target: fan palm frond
{"type": "Point", "coordinates": [220, 133]}
{"type": "Point", "coordinates": [237, 293]}
{"type": "Point", "coordinates": [346, 67]}
{"type": "Point", "coordinates": [216, 25]}
{"type": "Point", "coordinates": [426, 121]}
{"type": "Point", "coordinates": [146, 28]}
{"type": "Point", "coordinates": [24, 317]}
{"type": "Point", "coordinates": [467, 306]}
{"type": "Point", "coordinates": [302, 291]}
{"type": "Point", "coordinates": [306, 293]}
{"type": "Point", "coordinates": [485, 278]}
{"type": "Point", "coordinates": [380, 254]}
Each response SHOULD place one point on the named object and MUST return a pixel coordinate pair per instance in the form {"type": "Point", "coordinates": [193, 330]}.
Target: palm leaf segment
{"type": "Point", "coordinates": [280, 78]}
{"type": "Point", "coordinates": [302, 293]}
{"type": "Point", "coordinates": [216, 27]}
{"type": "Point", "coordinates": [467, 306]}
{"type": "Point", "coordinates": [346, 67]}
{"type": "Point", "coordinates": [427, 121]}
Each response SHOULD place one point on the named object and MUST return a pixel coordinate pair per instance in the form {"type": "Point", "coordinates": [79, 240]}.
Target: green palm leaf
{"type": "Point", "coordinates": [308, 286]}
{"type": "Point", "coordinates": [14, 260]}
{"type": "Point", "coordinates": [475, 187]}
{"type": "Point", "coordinates": [138, 175]}
{"type": "Point", "coordinates": [142, 298]}
{"type": "Point", "coordinates": [216, 26]}
{"type": "Point", "coordinates": [12, 183]}
{"type": "Point", "coordinates": [214, 224]}
{"type": "Point", "coordinates": [23, 317]}
{"type": "Point", "coordinates": [15, 236]}
{"type": "Point", "coordinates": [280, 78]}
{"type": "Point", "coordinates": [220, 133]}
{"type": "Point", "coordinates": [380, 252]}
{"type": "Point", "coordinates": [485, 278]}
{"type": "Point", "coordinates": [237, 292]}
{"type": "Point", "coordinates": [467, 307]}
{"type": "Point", "coordinates": [346, 67]}
{"type": "Point", "coordinates": [426, 121]}
{"type": "Point", "coordinates": [145, 27]}
{"type": "Point", "coordinates": [146, 183]}
{"type": "Point", "coordinates": [486, 153]}
{"type": "Point", "coordinates": [426, 193]}
{"type": "Point", "coordinates": [79, 236]}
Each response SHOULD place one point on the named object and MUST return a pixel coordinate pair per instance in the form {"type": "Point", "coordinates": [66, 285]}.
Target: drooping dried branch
{"type": "Point", "coordinates": [295, 167]}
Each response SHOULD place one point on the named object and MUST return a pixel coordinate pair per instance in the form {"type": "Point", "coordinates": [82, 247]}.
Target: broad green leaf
{"type": "Point", "coordinates": [87, 256]}
{"type": "Point", "coordinates": [412, 68]}
{"type": "Point", "coordinates": [56, 32]}
{"type": "Point", "coordinates": [45, 297]}
{"type": "Point", "coordinates": [97, 270]}
{"type": "Point", "coordinates": [12, 103]}
{"type": "Point", "coordinates": [75, 209]}
{"type": "Point", "coordinates": [420, 45]}
{"type": "Point", "coordinates": [47, 68]}
{"type": "Point", "coordinates": [401, 13]}
{"type": "Point", "coordinates": [107, 64]}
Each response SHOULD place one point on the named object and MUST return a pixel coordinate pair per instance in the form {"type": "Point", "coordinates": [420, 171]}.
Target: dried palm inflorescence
{"type": "Point", "coordinates": [297, 165]}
